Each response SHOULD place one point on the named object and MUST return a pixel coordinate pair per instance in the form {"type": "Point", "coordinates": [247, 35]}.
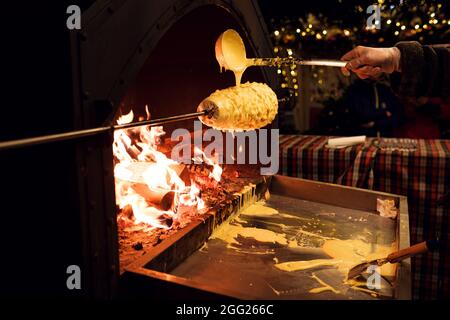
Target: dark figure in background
{"type": "Point", "coordinates": [372, 107]}
{"type": "Point", "coordinates": [416, 70]}
{"type": "Point", "coordinates": [424, 118]}
{"type": "Point", "coordinates": [367, 107]}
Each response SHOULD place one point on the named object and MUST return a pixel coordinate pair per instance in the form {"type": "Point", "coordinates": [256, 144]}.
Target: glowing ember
{"type": "Point", "coordinates": [150, 183]}
{"type": "Point", "coordinates": [216, 173]}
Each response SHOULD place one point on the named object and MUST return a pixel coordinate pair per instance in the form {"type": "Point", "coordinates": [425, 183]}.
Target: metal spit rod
{"type": "Point", "coordinates": [71, 135]}
{"type": "Point", "coordinates": [90, 132]}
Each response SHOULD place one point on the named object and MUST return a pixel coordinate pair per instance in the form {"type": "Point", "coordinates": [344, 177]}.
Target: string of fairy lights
{"type": "Point", "coordinates": [316, 34]}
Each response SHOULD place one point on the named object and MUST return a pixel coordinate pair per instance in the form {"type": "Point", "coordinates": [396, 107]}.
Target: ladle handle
{"type": "Point", "coordinates": [325, 63]}
{"type": "Point", "coordinates": [275, 62]}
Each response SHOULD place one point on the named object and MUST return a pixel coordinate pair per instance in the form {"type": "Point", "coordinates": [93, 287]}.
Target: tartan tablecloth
{"type": "Point", "coordinates": [421, 172]}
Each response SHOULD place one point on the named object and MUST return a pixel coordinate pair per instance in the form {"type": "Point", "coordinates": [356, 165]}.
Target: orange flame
{"type": "Point", "coordinates": [216, 173]}
{"type": "Point", "coordinates": [139, 163]}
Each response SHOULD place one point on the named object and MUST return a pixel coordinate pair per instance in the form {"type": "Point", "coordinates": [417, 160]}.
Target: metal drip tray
{"type": "Point", "coordinates": [303, 214]}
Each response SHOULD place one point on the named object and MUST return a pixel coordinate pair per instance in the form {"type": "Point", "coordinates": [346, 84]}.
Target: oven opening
{"type": "Point", "coordinates": [163, 184]}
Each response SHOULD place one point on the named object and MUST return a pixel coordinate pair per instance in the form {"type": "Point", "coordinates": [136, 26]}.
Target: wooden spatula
{"type": "Point", "coordinates": [394, 257]}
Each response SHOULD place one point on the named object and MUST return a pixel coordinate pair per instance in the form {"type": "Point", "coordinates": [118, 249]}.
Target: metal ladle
{"type": "Point", "coordinates": [230, 53]}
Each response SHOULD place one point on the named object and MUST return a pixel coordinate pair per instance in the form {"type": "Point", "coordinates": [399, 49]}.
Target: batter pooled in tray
{"type": "Point", "coordinates": [345, 254]}
{"type": "Point", "coordinates": [245, 107]}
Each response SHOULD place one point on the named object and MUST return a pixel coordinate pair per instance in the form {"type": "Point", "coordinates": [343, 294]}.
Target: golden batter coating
{"type": "Point", "coordinates": [245, 107]}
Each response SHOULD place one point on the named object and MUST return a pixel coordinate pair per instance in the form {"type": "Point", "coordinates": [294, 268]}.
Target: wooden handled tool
{"type": "Point", "coordinates": [394, 257]}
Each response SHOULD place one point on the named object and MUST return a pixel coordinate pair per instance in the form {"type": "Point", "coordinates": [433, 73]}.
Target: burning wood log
{"type": "Point", "coordinates": [158, 197]}
{"type": "Point", "coordinates": [134, 175]}
{"type": "Point", "coordinates": [183, 172]}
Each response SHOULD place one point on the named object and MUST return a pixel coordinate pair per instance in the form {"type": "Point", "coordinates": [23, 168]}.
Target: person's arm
{"type": "Point", "coordinates": [425, 70]}
{"type": "Point", "coordinates": [415, 70]}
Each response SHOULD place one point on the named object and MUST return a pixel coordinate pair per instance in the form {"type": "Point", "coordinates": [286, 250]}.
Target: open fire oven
{"type": "Point", "coordinates": [138, 223]}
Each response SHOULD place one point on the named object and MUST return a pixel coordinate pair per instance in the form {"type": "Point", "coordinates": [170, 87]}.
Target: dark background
{"type": "Point", "coordinates": [37, 99]}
